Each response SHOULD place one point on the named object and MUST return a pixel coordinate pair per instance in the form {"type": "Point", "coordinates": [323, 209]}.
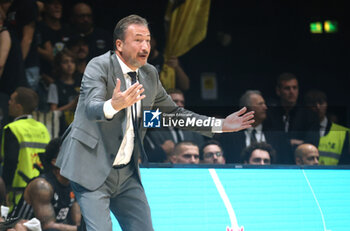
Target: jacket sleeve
{"type": "Point", "coordinates": [11, 151]}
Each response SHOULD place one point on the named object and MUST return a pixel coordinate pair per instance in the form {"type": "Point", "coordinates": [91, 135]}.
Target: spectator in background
{"type": "Point", "coordinates": [63, 94]}
{"type": "Point", "coordinates": [185, 153]}
{"type": "Point", "coordinates": [306, 154]}
{"type": "Point", "coordinates": [234, 143]}
{"type": "Point", "coordinates": [22, 140]}
{"type": "Point", "coordinates": [12, 74]}
{"type": "Point", "coordinates": [212, 153]}
{"type": "Point", "coordinates": [82, 24]}
{"type": "Point", "coordinates": [156, 58]}
{"type": "Point", "coordinates": [258, 154]}
{"type": "Point", "coordinates": [79, 46]}
{"type": "Point", "coordinates": [21, 18]}
{"type": "Point", "coordinates": [52, 34]}
{"type": "Point", "coordinates": [159, 143]}
{"type": "Point", "coordinates": [49, 197]}
{"type": "Point", "coordinates": [299, 123]}
{"type": "Point", "coordinates": [334, 140]}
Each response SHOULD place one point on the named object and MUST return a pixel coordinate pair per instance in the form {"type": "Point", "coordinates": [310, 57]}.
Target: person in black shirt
{"type": "Point", "coordinates": [21, 18]}
{"type": "Point", "coordinates": [49, 197]}
{"type": "Point", "coordinates": [82, 24]}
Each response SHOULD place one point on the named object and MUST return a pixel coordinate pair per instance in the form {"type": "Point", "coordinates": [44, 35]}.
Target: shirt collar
{"type": "Point", "coordinates": [324, 122]}
{"type": "Point", "coordinates": [257, 128]}
{"type": "Point", "coordinates": [125, 68]}
{"type": "Point", "coordinates": [28, 116]}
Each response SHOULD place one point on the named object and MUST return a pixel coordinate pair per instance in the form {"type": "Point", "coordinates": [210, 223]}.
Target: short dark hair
{"type": "Point", "coordinates": [207, 143]}
{"type": "Point", "coordinates": [247, 152]}
{"type": "Point", "coordinates": [27, 98]}
{"type": "Point", "coordinates": [286, 76]}
{"type": "Point", "coordinates": [124, 23]}
{"type": "Point", "coordinates": [314, 97]}
{"type": "Point", "coordinates": [178, 146]}
{"type": "Point", "coordinates": [174, 91]}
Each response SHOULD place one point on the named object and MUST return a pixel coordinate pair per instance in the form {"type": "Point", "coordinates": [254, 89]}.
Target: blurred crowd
{"type": "Point", "coordinates": [42, 62]}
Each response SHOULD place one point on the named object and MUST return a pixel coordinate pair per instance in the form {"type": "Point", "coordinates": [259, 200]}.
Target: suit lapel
{"type": "Point", "coordinates": [117, 73]}
{"type": "Point", "coordinates": [146, 102]}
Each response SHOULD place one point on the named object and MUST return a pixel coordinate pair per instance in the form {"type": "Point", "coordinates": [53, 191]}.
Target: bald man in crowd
{"type": "Point", "coordinates": [306, 154]}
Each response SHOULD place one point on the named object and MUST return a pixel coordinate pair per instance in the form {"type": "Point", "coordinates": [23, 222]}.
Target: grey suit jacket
{"type": "Point", "coordinates": [92, 141]}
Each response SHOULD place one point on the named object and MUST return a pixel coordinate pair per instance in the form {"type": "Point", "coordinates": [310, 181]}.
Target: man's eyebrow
{"type": "Point", "coordinates": [148, 35]}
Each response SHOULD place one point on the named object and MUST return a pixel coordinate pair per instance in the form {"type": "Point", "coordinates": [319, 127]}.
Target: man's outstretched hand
{"type": "Point", "coordinates": [124, 99]}
{"type": "Point", "coordinates": [238, 120]}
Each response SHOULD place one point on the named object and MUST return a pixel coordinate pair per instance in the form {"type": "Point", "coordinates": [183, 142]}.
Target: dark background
{"type": "Point", "coordinates": [267, 38]}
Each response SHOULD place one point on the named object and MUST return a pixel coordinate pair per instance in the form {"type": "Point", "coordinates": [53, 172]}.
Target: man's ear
{"type": "Point", "coordinates": [298, 161]}
{"type": "Point", "coordinates": [119, 45]}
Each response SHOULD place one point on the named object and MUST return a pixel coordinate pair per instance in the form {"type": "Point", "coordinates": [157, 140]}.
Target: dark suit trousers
{"type": "Point", "coordinates": [121, 193]}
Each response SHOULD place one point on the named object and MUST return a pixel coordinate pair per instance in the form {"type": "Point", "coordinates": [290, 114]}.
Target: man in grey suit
{"type": "Point", "coordinates": [99, 152]}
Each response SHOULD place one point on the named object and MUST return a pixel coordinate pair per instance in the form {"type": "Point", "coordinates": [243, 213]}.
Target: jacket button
{"type": "Point", "coordinates": [120, 137]}
{"type": "Point", "coordinates": [112, 156]}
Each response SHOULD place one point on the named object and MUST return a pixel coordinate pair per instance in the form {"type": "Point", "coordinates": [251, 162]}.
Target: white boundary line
{"type": "Point", "coordinates": [318, 205]}
{"type": "Point", "coordinates": [224, 197]}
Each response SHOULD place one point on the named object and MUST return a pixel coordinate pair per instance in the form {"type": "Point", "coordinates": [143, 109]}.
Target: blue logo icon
{"type": "Point", "coordinates": [151, 119]}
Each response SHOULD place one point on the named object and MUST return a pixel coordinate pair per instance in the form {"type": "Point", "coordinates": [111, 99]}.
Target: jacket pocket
{"type": "Point", "coordinates": [84, 137]}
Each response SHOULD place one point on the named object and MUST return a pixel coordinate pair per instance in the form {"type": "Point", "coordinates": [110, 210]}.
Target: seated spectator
{"type": "Point", "coordinates": [258, 154]}
{"type": "Point", "coordinates": [299, 123]}
{"type": "Point", "coordinates": [185, 153]}
{"type": "Point", "coordinates": [160, 142]}
{"type": "Point", "coordinates": [49, 197]}
{"type": "Point", "coordinates": [233, 143]}
{"type": "Point", "coordinates": [83, 24]}
{"type": "Point", "coordinates": [334, 139]}
{"type": "Point", "coordinates": [22, 140]}
{"type": "Point", "coordinates": [79, 46]}
{"type": "Point", "coordinates": [63, 94]}
{"type": "Point", "coordinates": [211, 153]}
{"type": "Point", "coordinates": [306, 154]}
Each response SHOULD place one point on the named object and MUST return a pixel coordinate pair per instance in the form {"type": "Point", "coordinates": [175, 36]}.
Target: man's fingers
{"type": "Point", "coordinates": [131, 88]}
{"type": "Point", "coordinates": [241, 112]}
{"type": "Point", "coordinates": [248, 116]}
{"type": "Point", "coordinates": [117, 86]}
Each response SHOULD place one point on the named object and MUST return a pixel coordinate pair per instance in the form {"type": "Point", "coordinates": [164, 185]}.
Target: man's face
{"type": "Point", "coordinates": [321, 109]}
{"type": "Point", "coordinates": [257, 104]}
{"type": "Point", "coordinates": [178, 98]}
{"type": "Point", "coordinates": [54, 9]}
{"type": "Point", "coordinates": [260, 157]}
{"type": "Point", "coordinates": [310, 156]}
{"type": "Point", "coordinates": [135, 48]}
{"type": "Point", "coordinates": [288, 91]}
{"type": "Point", "coordinates": [14, 107]}
{"type": "Point", "coordinates": [212, 154]}
{"type": "Point", "coordinates": [82, 17]}
{"type": "Point", "coordinates": [81, 49]}
{"type": "Point", "coordinates": [189, 155]}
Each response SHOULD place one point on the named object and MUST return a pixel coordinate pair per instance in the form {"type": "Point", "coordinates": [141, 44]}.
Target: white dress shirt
{"type": "Point", "coordinates": [259, 135]}
{"type": "Point", "coordinates": [323, 126]}
{"type": "Point", "coordinates": [127, 146]}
